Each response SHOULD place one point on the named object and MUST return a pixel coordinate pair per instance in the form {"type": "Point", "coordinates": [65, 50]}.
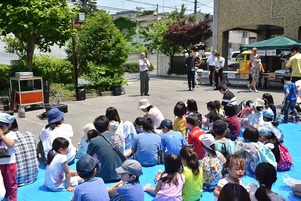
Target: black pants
{"type": "Point", "coordinates": [191, 79]}
{"type": "Point", "coordinates": [218, 74]}
{"type": "Point", "coordinates": [211, 69]}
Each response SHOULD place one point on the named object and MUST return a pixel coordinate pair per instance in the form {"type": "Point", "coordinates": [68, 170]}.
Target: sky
{"type": "Point", "coordinates": [113, 6]}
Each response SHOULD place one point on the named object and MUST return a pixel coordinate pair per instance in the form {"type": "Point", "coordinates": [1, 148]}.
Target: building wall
{"type": "Point", "coordinates": [238, 13]}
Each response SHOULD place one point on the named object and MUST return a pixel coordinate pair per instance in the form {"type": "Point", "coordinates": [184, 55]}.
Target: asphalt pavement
{"type": "Point", "coordinates": [164, 92]}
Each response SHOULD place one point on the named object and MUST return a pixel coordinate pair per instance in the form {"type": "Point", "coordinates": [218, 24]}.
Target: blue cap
{"type": "Point", "coordinates": [54, 115]}
{"type": "Point", "coordinates": [165, 123]}
{"type": "Point", "coordinates": [6, 118]}
{"type": "Point", "coordinates": [86, 164]}
{"type": "Point", "coordinates": [268, 113]}
{"type": "Point", "coordinates": [264, 131]}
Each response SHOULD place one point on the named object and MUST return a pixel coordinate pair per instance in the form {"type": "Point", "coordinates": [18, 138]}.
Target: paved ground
{"type": "Point", "coordinates": [164, 93]}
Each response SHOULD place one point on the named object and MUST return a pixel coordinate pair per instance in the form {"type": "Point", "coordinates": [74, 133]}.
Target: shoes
{"type": "Point", "coordinates": [189, 89]}
{"type": "Point", "coordinates": [146, 94]}
{"type": "Point", "coordinates": [141, 94]}
{"type": "Point", "coordinates": [249, 87]}
{"type": "Point", "coordinates": [215, 89]}
{"type": "Point", "coordinates": [256, 91]}
{"type": "Point", "coordinates": [285, 122]}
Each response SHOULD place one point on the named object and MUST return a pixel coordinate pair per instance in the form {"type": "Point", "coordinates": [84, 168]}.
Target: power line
{"type": "Point", "coordinates": [150, 4]}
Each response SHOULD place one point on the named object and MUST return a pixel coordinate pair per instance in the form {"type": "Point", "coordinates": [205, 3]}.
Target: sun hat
{"type": "Point", "coordinates": [88, 127]}
{"type": "Point", "coordinates": [165, 123]}
{"type": "Point", "coordinates": [144, 103]}
{"type": "Point", "coordinates": [207, 140]}
{"type": "Point", "coordinates": [55, 115]}
{"type": "Point", "coordinates": [268, 113]}
{"type": "Point", "coordinates": [86, 164]}
{"type": "Point", "coordinates": [6, 118]}
{"type": "Point", "coordinates": [132, 167]}
{"type": "Point", "coordinates": [259, 102]}
{"type": "Point", "coordinates": [263, 131]}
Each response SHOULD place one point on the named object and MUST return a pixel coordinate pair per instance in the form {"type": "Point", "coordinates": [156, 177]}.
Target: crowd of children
{"type": "Point", "coordinates": [199, 152]}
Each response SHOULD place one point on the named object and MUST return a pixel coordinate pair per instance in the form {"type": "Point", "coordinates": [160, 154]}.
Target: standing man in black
{"type": "Point", "coordinates": [190, 64]}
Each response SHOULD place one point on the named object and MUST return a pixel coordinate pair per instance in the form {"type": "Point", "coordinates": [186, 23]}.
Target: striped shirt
{"type": "Point", "coordinates": [229, 98]}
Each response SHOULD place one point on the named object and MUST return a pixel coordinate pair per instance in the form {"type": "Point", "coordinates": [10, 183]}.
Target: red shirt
{"type": "Point", "coordinates": [193, 138]}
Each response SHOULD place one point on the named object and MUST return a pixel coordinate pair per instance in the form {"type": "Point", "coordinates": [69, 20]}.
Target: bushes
{"type": "Point", "coordinates": [178, 68]}
{"type": "Point", "coordinates": [133, 67]}
{"type": "Point", "coordinates": [4, 79]}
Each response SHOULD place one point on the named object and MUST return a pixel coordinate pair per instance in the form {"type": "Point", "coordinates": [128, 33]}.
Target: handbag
{"type": "Point", "coordinates": [121, 156]}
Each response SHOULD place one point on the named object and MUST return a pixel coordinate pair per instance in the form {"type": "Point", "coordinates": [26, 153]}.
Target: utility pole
{"type": "Point", "coordinates": [195, 6]}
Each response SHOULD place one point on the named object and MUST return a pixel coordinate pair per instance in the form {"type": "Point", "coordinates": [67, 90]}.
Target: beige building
{"type": "Point", "coordinates": [263, 17]}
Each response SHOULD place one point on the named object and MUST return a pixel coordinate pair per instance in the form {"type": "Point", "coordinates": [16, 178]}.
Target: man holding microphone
{"type": "Point", "coordinates": [144, 77]}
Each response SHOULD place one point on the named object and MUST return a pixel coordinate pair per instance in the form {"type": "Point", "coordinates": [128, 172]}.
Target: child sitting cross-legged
{"type": "Point", "coordinates": [92, 188]}
{"type": "Point", "coordinates": [129, 188]}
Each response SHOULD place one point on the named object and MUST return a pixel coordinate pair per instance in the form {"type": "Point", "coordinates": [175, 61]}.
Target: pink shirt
{"type": "Point", "coordinates": [170, 191]}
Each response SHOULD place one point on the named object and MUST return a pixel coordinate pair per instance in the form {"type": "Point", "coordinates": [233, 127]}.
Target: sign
{"type": "Point", "coordinates": [271, 75]}
{"type": "Point", "coordinates": [231, 75]}
{"type": "Point", "coordinates": [244, 76]}
{"type": "Point", "coordinates": [260, 52]}
{"type": "Point", "coordinates": [271, 52]}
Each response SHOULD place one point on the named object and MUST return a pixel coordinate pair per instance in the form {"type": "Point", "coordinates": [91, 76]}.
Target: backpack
{"type": "Point", "coordinates": [225, 151]}
{"type": "Point", "coordinates": [264, 155]}
{"type": "Point", "coordinates": [285, 163]}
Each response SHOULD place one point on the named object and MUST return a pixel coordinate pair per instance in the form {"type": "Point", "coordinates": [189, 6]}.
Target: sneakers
{"type": "Point", "coordinates": [249, 87]}
{"type": "Point", "coordinates": [256, 91]}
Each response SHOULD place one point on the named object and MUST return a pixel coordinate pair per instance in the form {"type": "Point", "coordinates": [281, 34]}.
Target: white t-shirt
{"type": "Point", "coordinates": [64, 130]}
{"type": "Point", "coordinates": [219, 62]}
{"type": "Point", "coordinates": [11, 150]}
{"type": "Point", "coordinates": [143, 66]}
{"type": "Point", "coordinates": [211, 60]}
{"type": "Point", "coordinates": [252, 187]}
{"type": "Point", "coordinates": [225, 181]}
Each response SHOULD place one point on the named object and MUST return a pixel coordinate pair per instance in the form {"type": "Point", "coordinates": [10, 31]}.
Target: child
{"type": "Point", "coordinates": [194, 134]}
{"type": "Point", "coordinates": [89, 133]}
{"type": "Point", "coordinates": [270, 140]}
{"type": "Point", "coordinates": [170, 184]}
{"type": "Point", "coordinates": [245, 112]}
{"type": "Point", "coordinates": [266, 175]}
{"type": "Point", "coordinates": [92, 188]}
{"type": "Point", "coordinates": [250, 149]}
{"type": "Point", "coordinates": [218, 107]}
{"type": "Point", "coordinates": [57, 175]}
{"type": "Point", "coordinates": [290, 91]}
{"type": "Point", "coordinates": [129, 188]}
{"type": "Point", "coordinates": [235, 168]}
{"type": "Point", "coordinates": [222, 144]}
{"type": "Point", "coordinates": [233, 192]}
{"type": "Point", "coordinates": [138, 124]}
{"type": "Point", "coordinates": [212, 115]}
{"type": "Point", "coordinates": [212, 162]}
{"type": "Point", "coordinates": [180, 122]}
{"type": "Point", "coordinates": [271, 123]}
{"type": "Point", "coordinates": [8, 165]}
{"type": "Point", "coordinates": [193, 187]}
{"type": "Point", "coordinates": [233, 122]}
{"type": "Point", "coordinates": [269, 102]}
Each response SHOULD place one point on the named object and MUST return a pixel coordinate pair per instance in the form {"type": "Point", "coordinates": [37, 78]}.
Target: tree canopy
{"type": "Point", "coordinates": [126, 26]}
{"type": "Point", "coordinates": [101, 50]}
{"type": "Point", "coordinates": [40, 23]}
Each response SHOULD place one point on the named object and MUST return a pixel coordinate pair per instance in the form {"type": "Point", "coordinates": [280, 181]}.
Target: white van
{"type": "Point", "coordinates": [233, 55]}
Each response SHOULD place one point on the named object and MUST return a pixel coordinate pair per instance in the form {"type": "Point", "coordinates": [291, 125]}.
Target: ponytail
{"type": "Point", "coordinates": [261, 194]}
{"type": "Point", "coordinates": [191, 158]}
{"type": "Point", "coordinates": [50, 156]}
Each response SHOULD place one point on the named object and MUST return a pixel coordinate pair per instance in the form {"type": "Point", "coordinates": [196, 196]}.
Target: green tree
{"type": "Point", "coordinates": [40, 23]}
{"type": "Point", "coordinates": [88, 6]}
{"type": "Point", "coordinates": [101, 50]}
{"type": "Point", "coordinates": [126, 26]}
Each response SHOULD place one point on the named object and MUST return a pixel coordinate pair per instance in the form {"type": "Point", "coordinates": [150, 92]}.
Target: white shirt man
{"type": "Point", "coordinates": [144, 65]}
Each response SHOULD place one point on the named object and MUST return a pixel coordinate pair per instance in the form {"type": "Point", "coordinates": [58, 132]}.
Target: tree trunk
{"type": "Point", "coordinates": [30, 52]}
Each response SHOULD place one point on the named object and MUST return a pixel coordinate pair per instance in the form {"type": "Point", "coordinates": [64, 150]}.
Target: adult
{"type": "Point", "coordinates": [228, 97]}
{"type": "Point", "coordinates": [256, 65]}
{"type": "Point", "coordinates": [152, 112]}
{"type": "Point", "coordinates": [107, 156]}
{"type": "Point", "coordinates": [219, 64]}
{"type": "Point", "coordinates": [26, 156]}
{"type": "Point", "coordinates": [144, 65]}
{"type": "Point", "coordinates": [211, 66]}
{"type": "Point", "coordinates": [57, 128]}
{"type": "Point", "coordinates": [147, 145]}
{"type": "Point", "coordinates": [294, 63]}
{"type": "Point", "coordinates": [190, 64]}
{"type": "Point", "coordinates": [171, 141]}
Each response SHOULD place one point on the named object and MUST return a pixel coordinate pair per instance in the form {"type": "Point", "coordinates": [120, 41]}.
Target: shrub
{"type": "Point", "coordinates": [4, 77]}
{"type": "Point", "coordinates": [133, 67]}
{"type": "Point", "coordinates": [177, 67]}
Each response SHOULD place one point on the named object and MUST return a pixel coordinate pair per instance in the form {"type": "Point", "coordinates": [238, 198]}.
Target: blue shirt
{"type": "Point", "coordinates": [131, 191]}
{"type": "Point", "coordinates": [291, 87]}
{"type": "Point", "coordinates": [147, 146]}
{"type": "Point", "coordinates": [172, 142]}
{"type": "Point", "coordinates": [91, 190]}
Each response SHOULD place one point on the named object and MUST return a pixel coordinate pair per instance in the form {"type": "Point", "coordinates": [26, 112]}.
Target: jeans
{"type": "Point", "coordinates": [290, 104]}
